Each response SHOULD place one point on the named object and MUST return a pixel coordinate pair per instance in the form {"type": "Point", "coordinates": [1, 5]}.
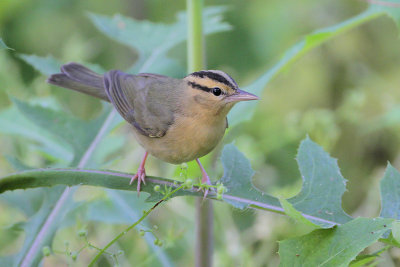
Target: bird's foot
{"type": "Point", "coordinates": [140, 175]}
{"type": "Point", "coordinates": [205, 180]}
{"type": "Point", "coordinates": [205, 184]}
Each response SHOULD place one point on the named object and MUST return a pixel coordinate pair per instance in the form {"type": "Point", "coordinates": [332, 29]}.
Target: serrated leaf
{"type": "Point", "coordinates": [295, 214]}
{"type": "Point", "coordinates": [335, 247]}
{"type": "Point", "coordinates": [245, 111]}
{"type": "Point", "coordinates": [390, 188]}
{"type": "Point", "coordinates": [237, 179]}
{"type": "Point", "coordinates": [323, 185]}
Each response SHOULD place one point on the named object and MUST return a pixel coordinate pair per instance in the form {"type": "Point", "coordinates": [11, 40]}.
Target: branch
{"type": "Point", "coordinates": [120, 181]}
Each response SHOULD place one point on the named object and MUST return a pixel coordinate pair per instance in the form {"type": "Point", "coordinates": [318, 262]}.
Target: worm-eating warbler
{"type": "Point", "coordinates": [176, 120]}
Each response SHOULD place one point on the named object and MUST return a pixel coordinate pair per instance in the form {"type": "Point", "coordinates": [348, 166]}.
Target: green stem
{"type": "Point", "coordinates": [145, 214]}
{"type": "Point", "coordinates": [195, 46]}
{"type": "Point", "coordinates": [204, 208]}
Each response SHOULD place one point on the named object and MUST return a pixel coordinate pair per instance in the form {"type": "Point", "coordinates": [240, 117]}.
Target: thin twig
{"type": "Point", "coordinates": [145, 214]}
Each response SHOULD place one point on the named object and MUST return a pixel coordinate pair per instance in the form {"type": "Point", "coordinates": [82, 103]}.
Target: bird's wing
{"type": "Point", "coordinates": [141, 100]}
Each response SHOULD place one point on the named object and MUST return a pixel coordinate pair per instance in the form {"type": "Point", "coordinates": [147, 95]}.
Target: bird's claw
{"type": "Point", "coordinates": [140, 175]}
{"type": "Point", "coordinates": [204, 187]}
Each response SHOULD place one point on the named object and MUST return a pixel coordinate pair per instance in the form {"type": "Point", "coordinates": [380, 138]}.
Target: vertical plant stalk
{"type": "Point", "coordinates": [58, 208]}
{"type": "Point", "coordinates": [204, 209]}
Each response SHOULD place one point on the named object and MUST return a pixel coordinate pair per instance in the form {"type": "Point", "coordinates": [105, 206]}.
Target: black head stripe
{"type": "Point", "coordinates": [216, 77]}
{"type": "Point", "coordinates": [200, 87]}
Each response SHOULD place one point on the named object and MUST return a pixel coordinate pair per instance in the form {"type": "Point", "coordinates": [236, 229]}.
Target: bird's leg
{"type": "Point", "coordinates": [205, 179]}
{"type": "Point", "coordinates": [141, 173]}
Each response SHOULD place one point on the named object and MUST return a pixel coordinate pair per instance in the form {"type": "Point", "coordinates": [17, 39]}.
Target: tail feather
{"type": "Point", "coordinates": [79, 78]}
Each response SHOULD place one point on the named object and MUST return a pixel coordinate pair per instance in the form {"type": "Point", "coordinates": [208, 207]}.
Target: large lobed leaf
{"type": "Point", "coordinates": [323, 185]}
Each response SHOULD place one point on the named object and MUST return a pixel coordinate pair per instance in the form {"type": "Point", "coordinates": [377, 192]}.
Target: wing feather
{"type": "Point", "coordinates": [141, 100]}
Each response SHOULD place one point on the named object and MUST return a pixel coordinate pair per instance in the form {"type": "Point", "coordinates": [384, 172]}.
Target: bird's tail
{"type": "Point", "coordinates": [79, 78]}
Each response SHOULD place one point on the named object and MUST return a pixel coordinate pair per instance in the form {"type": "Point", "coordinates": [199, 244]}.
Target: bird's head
{"type": "Point", "coordinates": [216, 90]}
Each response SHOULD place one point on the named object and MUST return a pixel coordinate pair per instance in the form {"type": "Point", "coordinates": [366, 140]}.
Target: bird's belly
{"type": "Point", "coordinates": [184, 141]}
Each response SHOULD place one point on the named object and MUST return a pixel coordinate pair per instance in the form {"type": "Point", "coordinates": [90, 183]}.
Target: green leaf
{"type": "Point", "coordinates": [319, 200]}
{"type": "Point", "coordinates": [16, 124]}
{"type": "Point", "coordinates": [237, 179]}
{"type": "Point", "coordinates": [390, 188]}
{"type": "Point", "coordinates": [46, 65]}
{"type": "Point", "coordinates": [295, 214]}
{"type": "Point", "coordinates": [362, 260]}
{"type": "Point", "coordinates": [72, 131]}
{"type": "Point", "coordinates": [323, 185]}
{"type": "Point", "coordinates": [160, 37]}
{"type": "Point", "coordinates": [3, 45]}
{"type": "Point", "coordinates": [245, 111]}
{"type": "Point", "coordinates": [392, 12]}
{"type": "Point", "coordinates": [336, 246]}
{"type": "Point", "coordinates": [396, 231]}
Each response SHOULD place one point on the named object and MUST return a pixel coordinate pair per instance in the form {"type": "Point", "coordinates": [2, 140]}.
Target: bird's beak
{"type": "Point", "coordinates": [241, 95]}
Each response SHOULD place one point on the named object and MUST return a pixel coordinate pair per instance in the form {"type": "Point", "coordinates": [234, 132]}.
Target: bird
{"type": "Point", "coordinates": [175, 120]}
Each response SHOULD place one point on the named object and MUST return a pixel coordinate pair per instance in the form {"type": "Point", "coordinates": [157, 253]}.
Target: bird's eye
{"type": "Point", "coordinates": [217, 91]}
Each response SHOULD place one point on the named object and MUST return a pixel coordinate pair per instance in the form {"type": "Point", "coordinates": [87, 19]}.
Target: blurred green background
{"type": "Point", "coordinates": [343, 94]}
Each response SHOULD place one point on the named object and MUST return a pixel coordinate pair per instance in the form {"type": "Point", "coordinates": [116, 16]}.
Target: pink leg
{"type": "Point", "coordinates": [205, 179]}
{"type": "Point", "coordinates": [141, 173]}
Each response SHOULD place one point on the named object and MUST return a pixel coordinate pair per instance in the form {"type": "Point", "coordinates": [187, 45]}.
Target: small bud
{"type": "Point", "coordinates": [82, 233]}
{"type": "Point", "coordinates": [74, 255]}
{"type": "Point", "coordinates": [219, 196]}
{"type": "Point", "coordinates": [184, 166]}
{"type": "Point", "coordinates": [188, 183]}
{"type": "Point", "coordinates": [46, 251]}
{"type": "Point", "coordinates": [221, 189]}
{"type": "Point", "coordinates": [141, 233]}
{"type": "Point", "coordinates": [160, 243]}
{"type": "Point", "coordinates": [157, 188]}
{"type": "Point", "coordinates": [120, 252]}
{"type": "Point", "coordinates": [156, 241]}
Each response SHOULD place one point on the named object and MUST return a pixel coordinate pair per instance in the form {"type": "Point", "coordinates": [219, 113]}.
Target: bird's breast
{"type": "Point", "coordinates": [187, 139]}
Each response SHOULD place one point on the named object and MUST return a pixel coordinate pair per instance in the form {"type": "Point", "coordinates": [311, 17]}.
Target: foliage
{"type": "Point", "coordinates": [62, 139]}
